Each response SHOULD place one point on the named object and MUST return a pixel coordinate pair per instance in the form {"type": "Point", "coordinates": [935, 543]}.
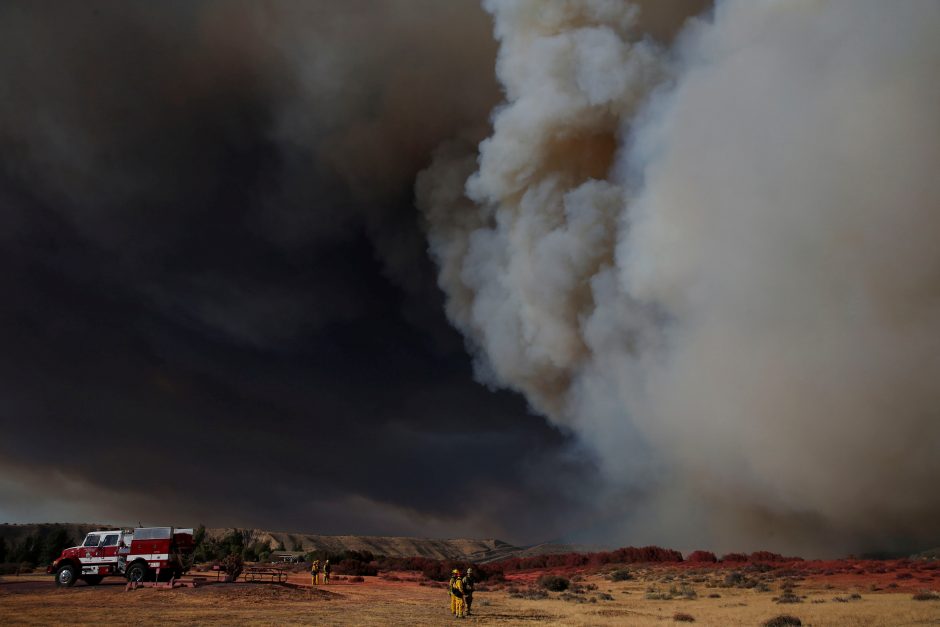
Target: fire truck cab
{"type": "Point", "coordinates": [137, 554]}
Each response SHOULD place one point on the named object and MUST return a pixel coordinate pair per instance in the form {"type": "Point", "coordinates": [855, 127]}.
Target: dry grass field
{"type": "Point", "coordinates": [595, 600]}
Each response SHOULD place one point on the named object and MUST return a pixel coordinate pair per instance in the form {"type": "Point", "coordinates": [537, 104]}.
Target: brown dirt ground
{"type": "Point", "coordinates": [34, 600]}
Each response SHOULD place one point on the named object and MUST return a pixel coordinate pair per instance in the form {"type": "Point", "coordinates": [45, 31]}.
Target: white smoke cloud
{"type": "Point", "coordinates": [716, 263]}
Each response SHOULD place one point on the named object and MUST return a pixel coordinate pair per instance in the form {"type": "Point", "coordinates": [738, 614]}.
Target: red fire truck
{"type": "Point", "coordinates": [137, 554]}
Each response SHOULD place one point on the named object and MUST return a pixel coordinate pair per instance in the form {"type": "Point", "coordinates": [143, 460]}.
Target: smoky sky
{"type": "Point", "coordinates": [217, 302]}
{"type": "Point", "coordinates": [623, 272]}
{"type": "Point", "coordinates": [714, 261]}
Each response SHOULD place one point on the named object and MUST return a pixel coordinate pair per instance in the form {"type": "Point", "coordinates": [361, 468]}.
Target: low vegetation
{"type": "Point", "coordinates": [232, 565]}
{"type": "Point", "coordinates": [626, 555]}
{"type": "Point", "coordinates": [855, 596]}
{"type": "Point", "coordinates": [702, 557]}
{"type": "Point", "coordinates": [554, 583]}
{"type": "Point", "coordinates": [788, 595]}
{"type": "Point", "coordinates": [621, 574]}
{"type": "Point", "coordinates": [532, 594]}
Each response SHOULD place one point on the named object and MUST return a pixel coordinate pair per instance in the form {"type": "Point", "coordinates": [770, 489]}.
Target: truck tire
{"type": "Point", "coordinates": [137, 572]}
{"type": "Point", "coordinates": [65, 576]}
{"type": "Point", "coordinates": [92, 580]}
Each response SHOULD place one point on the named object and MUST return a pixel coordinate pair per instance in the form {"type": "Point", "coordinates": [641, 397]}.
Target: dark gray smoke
{"type": "Point", "coordinates": [217, 304]}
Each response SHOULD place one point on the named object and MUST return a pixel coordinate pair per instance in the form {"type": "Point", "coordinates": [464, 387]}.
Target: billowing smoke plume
{"type": "Point", "coordinates": [715, 261]}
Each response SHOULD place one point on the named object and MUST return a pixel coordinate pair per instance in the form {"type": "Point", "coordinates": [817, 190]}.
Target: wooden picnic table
{"type": "Point", "coordinates": [261, 573]}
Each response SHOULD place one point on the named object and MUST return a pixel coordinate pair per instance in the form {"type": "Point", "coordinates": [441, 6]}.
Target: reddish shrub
{"type": "Point", "coordinates": [701, 556]}
{"type": "Point", "coordinates": [353, 567]}
{"type": "Point", "coordinates": [734, 557]}
{"type": "Point", "coordinates": [626, 555]}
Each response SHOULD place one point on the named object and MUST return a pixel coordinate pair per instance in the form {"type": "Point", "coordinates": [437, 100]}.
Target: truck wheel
{"type": "Point", "coordinates": [137, 572]}
{"type": "Point", "coordinates": [66, 576]}
{"type": "Point", "coordinates": [92, 580]}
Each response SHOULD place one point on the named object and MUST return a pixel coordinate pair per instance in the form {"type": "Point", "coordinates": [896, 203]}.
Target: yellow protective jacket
{"type": "Point", "coordinates": [456, 588]}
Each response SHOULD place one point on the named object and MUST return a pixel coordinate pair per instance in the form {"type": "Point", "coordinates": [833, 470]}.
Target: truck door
{"type": "Point", "coordinates": [89, 551]}
{"type": "Point", "coordinates": [108, 560]}
{"type": "Point", "coordinates": [109, 546]}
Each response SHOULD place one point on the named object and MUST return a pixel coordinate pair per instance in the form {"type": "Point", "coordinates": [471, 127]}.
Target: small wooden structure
{"type": "Point", "coordinates": [264, 573]}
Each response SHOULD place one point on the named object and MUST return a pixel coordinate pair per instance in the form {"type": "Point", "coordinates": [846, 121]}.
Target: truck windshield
{"type": "Point", "coordinates": [91, 540]}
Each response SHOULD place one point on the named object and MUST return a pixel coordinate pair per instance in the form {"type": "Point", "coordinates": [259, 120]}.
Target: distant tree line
{"type": "Point", "coordinates": [36, 549]}
{"type": "Point", "coordinates": [236, 542]}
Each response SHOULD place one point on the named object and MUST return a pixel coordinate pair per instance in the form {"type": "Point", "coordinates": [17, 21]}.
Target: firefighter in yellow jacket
{"type": "Point", "coordinates": [450, 590]}
{"type": "Point", "coordinates": [315, 572]}
{"type": "Point", "coordinates": [454, 575]}
{"type": "Point", "coordinates": [456, 594]}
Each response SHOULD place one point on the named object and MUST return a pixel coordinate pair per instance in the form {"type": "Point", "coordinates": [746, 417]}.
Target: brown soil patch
{"type": "Point", "coordinates": [36, 601]}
